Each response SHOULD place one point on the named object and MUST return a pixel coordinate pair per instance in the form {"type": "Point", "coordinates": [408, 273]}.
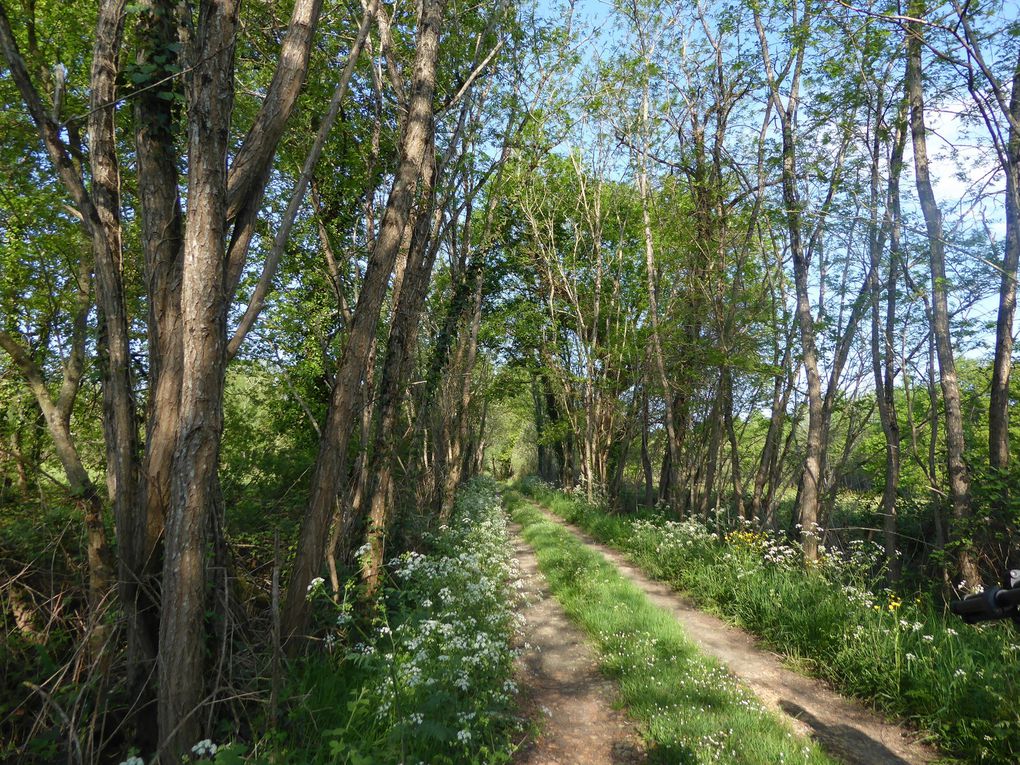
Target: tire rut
{"type": "Point", "coordinates": [562, 689]}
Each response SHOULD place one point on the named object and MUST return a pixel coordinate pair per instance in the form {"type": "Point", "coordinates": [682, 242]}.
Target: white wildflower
{"type": "Point", "coordinates": [205, 747]}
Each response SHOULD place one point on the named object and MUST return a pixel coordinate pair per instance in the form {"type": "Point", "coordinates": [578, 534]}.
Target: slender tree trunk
{"type": "Point", "coordinates": [646, 460]}
{"type": "Point", "coordinates": [118, 395]}
{"type": "Point", "coordinates": [459, 431]}
{"type": "Point", "coordinates": [397, 367]}
{"type": "Point", "coordinates": [669, 488]}
{"type": "Point", "coordinates": [742, 509]}
{"type": "Point", "coordinates": [781, 388]}
{"type": "Point", "coordinates": [808, 503]}
{"type": "Point", "coordinates": [882, 346]}
{"type": "Point", "coordinates": [811, 479]}
{"type": "Point", "coordinates": [542, 448]}
{"type": "Point", "coordinates": [1002, 364]}
{"type": "Point", "coordinates": [424, 478]}
{"type": "Point", "coordinates": [712, 462]}
{"type": "Point", "coordinates": [959, 480]}
{"type": "Point", "coordinates": [99, 208]}
{"type": "Point", "coordinates": [665, 474]}
{"type": "Point", "coordinates": [57, 416]}
{"type": "Point", "coordinates": [557, 467]}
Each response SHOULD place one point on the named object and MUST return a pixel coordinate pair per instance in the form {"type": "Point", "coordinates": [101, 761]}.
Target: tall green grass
{"type": "Point", "coordinates": [905, 655]}
{"type": "Point", "coordinates": [691, 710]}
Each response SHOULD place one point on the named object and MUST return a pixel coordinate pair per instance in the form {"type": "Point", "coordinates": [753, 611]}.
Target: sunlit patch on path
{"type": "Point", "coordinates": [563, 690]}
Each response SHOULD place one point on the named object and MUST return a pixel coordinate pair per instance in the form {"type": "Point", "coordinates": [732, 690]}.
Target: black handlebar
{"type": "Point", "coordinates": [993, 603]}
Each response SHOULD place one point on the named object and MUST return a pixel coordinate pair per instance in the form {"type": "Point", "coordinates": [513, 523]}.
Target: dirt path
{"type": "Point", "coordinates": [844, 728]}
{"type": "Point", "coordinates": [562, 687]}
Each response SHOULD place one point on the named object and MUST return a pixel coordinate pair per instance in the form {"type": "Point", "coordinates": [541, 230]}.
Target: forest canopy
{"type": "Point", "coordinates": [277, 279]}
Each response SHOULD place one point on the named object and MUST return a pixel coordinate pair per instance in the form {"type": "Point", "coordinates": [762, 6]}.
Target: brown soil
{"type": "Point", "coordinates": [573, 705]}
{"type": "Point", "coordinates": [844, 728]}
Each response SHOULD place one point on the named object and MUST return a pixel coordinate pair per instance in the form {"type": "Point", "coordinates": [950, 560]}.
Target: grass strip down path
{"type": "Point", "coordinates": [691, 710]}
{"type": "Point", "coordinates": [904, 656]}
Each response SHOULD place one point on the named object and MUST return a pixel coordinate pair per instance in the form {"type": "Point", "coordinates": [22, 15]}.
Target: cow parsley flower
{"type": "Point", "coordinates": [205, 747]}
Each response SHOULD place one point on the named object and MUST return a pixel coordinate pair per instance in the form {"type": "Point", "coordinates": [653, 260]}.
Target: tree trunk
{"type": "Point", "coordinates": [781, 389]}
{"type": "Point", "coordinates": [883, 356]}
{"type": "Point", "coordinates": [194, 485]}
{"type": "Point", "coordinates": [959, 480]}
{"type": "Point", "coordinates": [735, 473]}
{"type": "Point", "coordinates": [461, 420]}
{"type": "Point", "coordinates": [811, 478]}
{"type": "Point", "coordinates": [99, 209]}
{"type": "Point", "coordinates": [400, 350]}
{"type": "Point", "coordinates": [161, 224]}
{"type": "Point", "coordinates": [1002, 363]}
{"type": "Point", "coordinates": [646, 460]}
{"type": "Point", "coordinates": [712, 463]}
{"type": "Point", "coordinates": [57, 416]}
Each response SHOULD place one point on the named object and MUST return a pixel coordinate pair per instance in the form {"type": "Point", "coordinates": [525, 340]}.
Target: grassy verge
{"type": "Point", "coordinates": [690, 709]}
{"type": "Point", "coordinates": [905, 655]}
{"type": "Point", "coordinates": [430, 680]}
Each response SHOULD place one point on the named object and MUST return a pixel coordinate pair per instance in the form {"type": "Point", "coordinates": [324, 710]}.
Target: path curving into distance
{"type": "Point", "coordinates": [844, 728]}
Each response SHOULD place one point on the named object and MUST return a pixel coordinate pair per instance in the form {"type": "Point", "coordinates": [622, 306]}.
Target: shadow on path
{"type": "Point", "coordinates": [562, 689]}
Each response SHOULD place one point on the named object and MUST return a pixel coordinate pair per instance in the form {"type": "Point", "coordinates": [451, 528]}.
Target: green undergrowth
{"type": "Point", "coordinates": [905, 655]}
{"type": "Point", "coordinates": [430, 679]}
{"type": "Point", "coordinates": [690, 709]}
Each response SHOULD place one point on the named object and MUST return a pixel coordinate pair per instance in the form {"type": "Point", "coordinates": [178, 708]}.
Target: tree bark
{"type": "Point", "coordinates": [194, 485]}
{"type": "Point", "coordinates": [161, 224]}
{"type": "Point", "coordinates": [959, 479]}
